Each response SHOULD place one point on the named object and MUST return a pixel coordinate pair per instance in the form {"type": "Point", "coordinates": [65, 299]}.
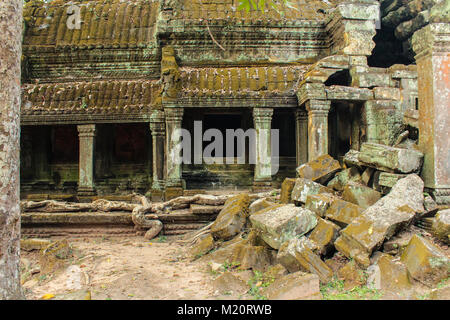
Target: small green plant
{"type": "Point", "coordinates": [335, 290]}
{"type": "Point", "coordinates": [227, 266]}
{"type": "Point", "coordinates": [257, 283]}
{"type": "Point", "coordinates": [42, 277]}
{"type": "Point", "coordinates": [161, 239]}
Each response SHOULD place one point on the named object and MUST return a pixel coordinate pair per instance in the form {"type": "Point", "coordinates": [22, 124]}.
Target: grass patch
{"type": "Point", "coordinates": [257, 283]}
{"type": "Point", "coordinates": [335, 290]}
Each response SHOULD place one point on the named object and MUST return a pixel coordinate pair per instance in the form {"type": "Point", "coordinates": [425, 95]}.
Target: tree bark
{"type": "Point", "coordinates": [10, 56]}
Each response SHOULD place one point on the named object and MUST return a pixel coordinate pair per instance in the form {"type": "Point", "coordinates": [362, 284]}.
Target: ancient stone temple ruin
{"type": "Point", "coordinates": [101, 102]}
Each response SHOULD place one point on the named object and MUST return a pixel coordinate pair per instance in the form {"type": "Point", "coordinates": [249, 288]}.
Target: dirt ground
{"type": "Point", "coordinates": [126, 269]}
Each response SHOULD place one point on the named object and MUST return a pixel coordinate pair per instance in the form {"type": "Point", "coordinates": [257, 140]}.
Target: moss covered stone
{"type": "Point", "coordinates": [231, 218]}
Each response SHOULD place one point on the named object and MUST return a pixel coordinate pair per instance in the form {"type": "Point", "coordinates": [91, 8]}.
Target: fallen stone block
{"type": "Point", "coordinates": [360, 195]}
{"type": "Point", "coordinates": [351, 159]}
{"type": "Point", "coordinates": [319, 203]}
{"type": "Point", "coordinates": [343, 212]}
{"type": "Point", "coordinates": [381, 221]}
{"type": "Point", "coordinates": [231, 218]}
{"type": "Point", "coordinates": [275, 272]}
{"type": "Point", "coordinates": [305, 187]}
{"type": "Point", "coordinates": [344, 177]}
{"type": "Point", "coordinates": [228, 283]}
{"type": "Point", "coordinates": [391, 159]}
{"type": "Point", "coordinates": [425, 262]}
{"type": "Point", "coordinates": [295, 286]}
{"type": "Point", "coordinates": [324, 235]}
{"type": "Point", "coordinates": [203, 246]}
{"type": "Point", "coordinates": [224, 254]}
{"type": "Point", "coordinates": [311, 262]}
{"type": "Point", "coordinates": [286, 190]}
{"type": "Point", "coordinates": [387, 179]}
{"type": "Point", "coordinates": [389, 275]}
{"type": "Point", "coordinates": [367, 176]}
{"type": "Point", "coordinates": [287, 253]}
{"type": "Point", "coordinates": [259, 205]}
{"type": "Point", "coordinates": [320, 169]}
{"type": "Point", "coordinates": [251, 257]}
{"type": "Point", "coordinates": [34, 244]}
{"type": "Point", "coordinates": [441, 226]}
{"type": "Point", "coordinates": [282, 223]}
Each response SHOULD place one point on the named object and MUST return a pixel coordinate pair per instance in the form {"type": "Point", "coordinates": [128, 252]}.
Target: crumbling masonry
{"type": "Point", "coordinates": [100, 103]}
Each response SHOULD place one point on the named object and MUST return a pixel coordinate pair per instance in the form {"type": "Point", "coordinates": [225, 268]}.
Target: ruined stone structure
{"type": "Point", "coordinates": [100, 103]}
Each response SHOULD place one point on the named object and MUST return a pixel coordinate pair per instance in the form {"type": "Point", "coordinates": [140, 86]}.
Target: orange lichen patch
{"type": "Point", "coordinates": [88, 96]}
{"type": "Point", "coordinates": [227, 9]}
{"type": "Point", "coordinates": [261, 81]}
{"type": "Point", "coordinates": [105, 24]}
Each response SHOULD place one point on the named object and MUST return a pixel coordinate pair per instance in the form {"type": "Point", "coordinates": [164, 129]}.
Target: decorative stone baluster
{"type": "Point", "coordinates": [317, 127]}
{"type": "Point", "coordinates": [158, 131]}
{"type": "Point", "coordinates": [86, 134]}
{"type": "Point", "coordinates": [432, 47]}
{"type": "Point", "coordinates": [301, 136]}
{"type": "Point", "coordinates": [174, 118]}
{"type": "Point", "coordinates": [262, 118]}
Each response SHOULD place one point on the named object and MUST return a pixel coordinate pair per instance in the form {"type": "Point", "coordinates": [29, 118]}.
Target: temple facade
{"type": "Point", "coordinates": [101, 102]}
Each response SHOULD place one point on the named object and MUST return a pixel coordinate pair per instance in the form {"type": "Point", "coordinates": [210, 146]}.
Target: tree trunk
{"type": "Point", "coordinates": [10, 56]}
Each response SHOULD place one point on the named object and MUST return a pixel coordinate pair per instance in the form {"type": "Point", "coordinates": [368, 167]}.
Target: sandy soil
{"type": "Point", "coordinates": [117, 268]}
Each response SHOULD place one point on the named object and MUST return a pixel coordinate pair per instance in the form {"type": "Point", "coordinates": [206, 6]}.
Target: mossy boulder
{"type": "Point", "coordinates": [441, 226]}
{"type": "Point", "coordinates": [53, 256]}
{"type": "Point", "coordinates": [343, 212]}
{"type": "Point", "coordinates": [360, 195]}
{"type": "Point", "coordinates": [282, 223]}
{"type": "Point", "coordinates": [324, 235]}
{"type": "Point", "coordinates": [344, 177]}
{"type": "Point", "coordinates": [287, 253]}
{"type": "Point", "coordinates": [319, 203]}
{"type": "Point", "coordinates": [386, 158]}
{"type": "Point", "coordinates": [251, 257]}
{"type": "Point", "coordinates": [231, 218]}
{"type": "Point", "coordinates": [295, 286]}
{"type": "Point", "coordinates": [259, 205]}
{"type": "Point", "coordinates": [311, 262]}
{"type": "Point", "coordinates": [320, 169]}
{"type": "Point", "coordinates": [388, 274]}
{"type": "Point", "coordinates": [229, 283]}
{"type": "Point", "coordinates": [425, 262]}
{"type": "Point", "coordinates": [204, 246]}
{"type": "Point", "coordinates": [381, 221]}
{"type": "Point", "coordinates": [305, 187]}
{"type": "Point", "coordinates": [34, 244]}
{"type": "Point", "coordinates": [286, 189]}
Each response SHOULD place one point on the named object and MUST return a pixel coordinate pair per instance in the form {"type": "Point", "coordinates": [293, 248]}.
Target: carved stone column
{"type": "Point", "coordinates": [301, 136]}
{"type": "Point", "coordinates": [317, 127]}
{"type": "Point", "coordinates": [158, 131]}
{"type": "Point", "coordinates": [262, 118]}
{"type": "Point", "coordinates": [86, 134]}
{"type": "Point", "coordinates": [432, 47]}
{"type": "Point", "coordinates": [174, 118]}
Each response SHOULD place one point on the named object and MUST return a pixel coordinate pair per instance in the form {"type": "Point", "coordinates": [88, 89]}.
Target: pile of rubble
{"type": "Point", "coordinates": [355, 221]}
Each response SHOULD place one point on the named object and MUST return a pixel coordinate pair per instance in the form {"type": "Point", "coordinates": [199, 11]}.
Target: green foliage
{"type": "Point", "coordinates": [335, 290]}
{"type": "Point", "coordinates": [257, 283]}
{"type": "Point", "coordinates": [277, 5]}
